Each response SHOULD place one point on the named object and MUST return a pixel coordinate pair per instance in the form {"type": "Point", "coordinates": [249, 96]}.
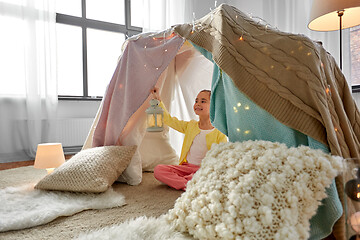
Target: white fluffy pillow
{"type": "Point", "coordinates": [90, 170]}
{"type": "Point", "coordinates": [133, 173]}
{"type": "Point", "coordinates": [254, 190]}
{"type": "Point", "coordinates": [155, 149]}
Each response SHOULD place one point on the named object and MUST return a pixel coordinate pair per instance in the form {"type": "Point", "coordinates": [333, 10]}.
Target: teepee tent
{"type": "Point", "coordinates": [266, 84]}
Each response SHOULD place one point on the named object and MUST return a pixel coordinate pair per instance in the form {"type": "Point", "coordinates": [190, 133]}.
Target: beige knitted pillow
{"type": "Point", "coordinates": [91, 170]}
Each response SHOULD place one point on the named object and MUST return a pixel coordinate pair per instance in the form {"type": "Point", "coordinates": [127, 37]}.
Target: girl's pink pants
{"type": "Point", "coordinates": [175, 176]}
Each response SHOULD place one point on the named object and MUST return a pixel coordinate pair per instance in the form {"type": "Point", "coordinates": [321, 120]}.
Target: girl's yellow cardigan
{"type": "Point", "coordinates": [190, 129]}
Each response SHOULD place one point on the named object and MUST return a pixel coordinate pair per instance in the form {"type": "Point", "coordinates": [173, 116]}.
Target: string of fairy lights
{"type": "Point", "coordinates": [197, 27]}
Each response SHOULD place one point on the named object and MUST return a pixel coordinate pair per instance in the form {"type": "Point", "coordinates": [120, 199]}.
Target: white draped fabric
{"type": "Point", "coordinates": [28, 89]}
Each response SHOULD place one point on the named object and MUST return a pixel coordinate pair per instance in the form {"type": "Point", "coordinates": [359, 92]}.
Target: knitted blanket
{"type": "Point", "coordinates": [248, 190]}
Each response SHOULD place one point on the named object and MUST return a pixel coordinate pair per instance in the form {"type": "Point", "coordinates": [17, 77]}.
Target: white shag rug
{"type": "Point", "coordinates": [248, 190]}
{"type": "Point", "coordinates": [24, 207]}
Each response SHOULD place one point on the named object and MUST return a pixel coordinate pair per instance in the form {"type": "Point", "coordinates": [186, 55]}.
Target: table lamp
{"type": "Point", "coordinates": [331, 15]}
{"type": "Point", "coordinates": [49, 156]}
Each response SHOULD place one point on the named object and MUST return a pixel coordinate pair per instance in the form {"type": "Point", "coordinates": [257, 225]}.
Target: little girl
{"type": "Point", "coordinates": [199, 136]}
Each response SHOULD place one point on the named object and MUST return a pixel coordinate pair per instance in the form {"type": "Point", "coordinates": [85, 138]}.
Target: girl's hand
{"type": "Point", "coordinates": [155, 92]}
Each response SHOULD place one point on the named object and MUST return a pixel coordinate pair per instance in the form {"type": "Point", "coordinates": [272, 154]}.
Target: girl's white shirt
{"type": "Point", "coordinates": [198, 148]}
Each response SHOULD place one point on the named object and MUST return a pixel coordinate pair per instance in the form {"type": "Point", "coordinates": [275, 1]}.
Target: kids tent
{"type": "Point", "coordinates": [266, 84]}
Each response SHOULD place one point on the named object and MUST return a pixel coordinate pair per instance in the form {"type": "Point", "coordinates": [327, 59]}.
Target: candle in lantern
{"type": "Point", "coordinates": [151, 120]}
{"type": "Point", "coordinates": [159, 121]}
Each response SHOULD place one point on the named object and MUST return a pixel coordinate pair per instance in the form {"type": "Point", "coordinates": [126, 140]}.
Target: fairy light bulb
{"type": "Point", "coordinates": [328, 90]}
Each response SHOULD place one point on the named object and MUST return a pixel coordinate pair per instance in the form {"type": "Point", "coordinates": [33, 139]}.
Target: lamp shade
{"type": "Point", "coordinates": [324, 16]}
{"type": "Point", "coordinates": [49, 155]}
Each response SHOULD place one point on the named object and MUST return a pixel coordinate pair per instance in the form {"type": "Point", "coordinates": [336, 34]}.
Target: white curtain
{"type": "Point", "coordinates": [162, 14]}
{"type": "Point", "coordinates": [28, 88]}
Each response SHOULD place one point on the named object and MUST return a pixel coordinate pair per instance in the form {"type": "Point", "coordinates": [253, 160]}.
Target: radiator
{"type": "Point", "coordinates": [72, 133]}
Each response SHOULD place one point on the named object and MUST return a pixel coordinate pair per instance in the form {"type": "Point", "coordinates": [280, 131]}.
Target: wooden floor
{"type": "Point", "coordinates": [4, 166]}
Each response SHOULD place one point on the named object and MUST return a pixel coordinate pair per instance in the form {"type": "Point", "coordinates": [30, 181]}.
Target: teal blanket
{"type": "Point", "coordinates": [241, 119]}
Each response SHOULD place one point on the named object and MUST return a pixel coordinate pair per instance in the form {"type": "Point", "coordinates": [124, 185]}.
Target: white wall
{"type": "Point", "coordinates": [77, 109]}
{"type": "Point", "coordinates": [74, 120]}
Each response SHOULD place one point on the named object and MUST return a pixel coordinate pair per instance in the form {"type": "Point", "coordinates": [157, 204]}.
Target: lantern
{"type": "Point", "coordinates": [155, 116]}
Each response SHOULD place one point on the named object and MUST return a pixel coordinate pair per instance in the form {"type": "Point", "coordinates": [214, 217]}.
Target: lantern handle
{"type": "Point", "coordinates": [155, 93]}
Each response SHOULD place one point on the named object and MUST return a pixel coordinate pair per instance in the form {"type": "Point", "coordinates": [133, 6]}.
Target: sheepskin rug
{"type": "Point", "coordinates": [149, 228]}
{"type": "Point", "coordinates": [24, 207]}
{"type": "Point", "coordinates": [248, 190]}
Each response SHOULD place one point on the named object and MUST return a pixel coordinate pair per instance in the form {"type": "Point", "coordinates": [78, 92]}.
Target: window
{"type": "Point", "coordinates": [90, 34]}
{"type": "Point", "coordinates": [355, 58]}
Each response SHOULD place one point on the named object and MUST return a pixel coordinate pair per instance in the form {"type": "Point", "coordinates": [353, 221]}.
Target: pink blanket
{"type": "Point", "coordinates": [137, 72]}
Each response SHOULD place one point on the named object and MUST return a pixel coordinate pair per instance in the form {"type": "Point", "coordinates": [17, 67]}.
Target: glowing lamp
{"type": "Point", "coordinates": [155, 115]}
{"type": "Point", "coordinates": [331, 15]}
{"type": "Point", "coordinates": [49, 156]}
